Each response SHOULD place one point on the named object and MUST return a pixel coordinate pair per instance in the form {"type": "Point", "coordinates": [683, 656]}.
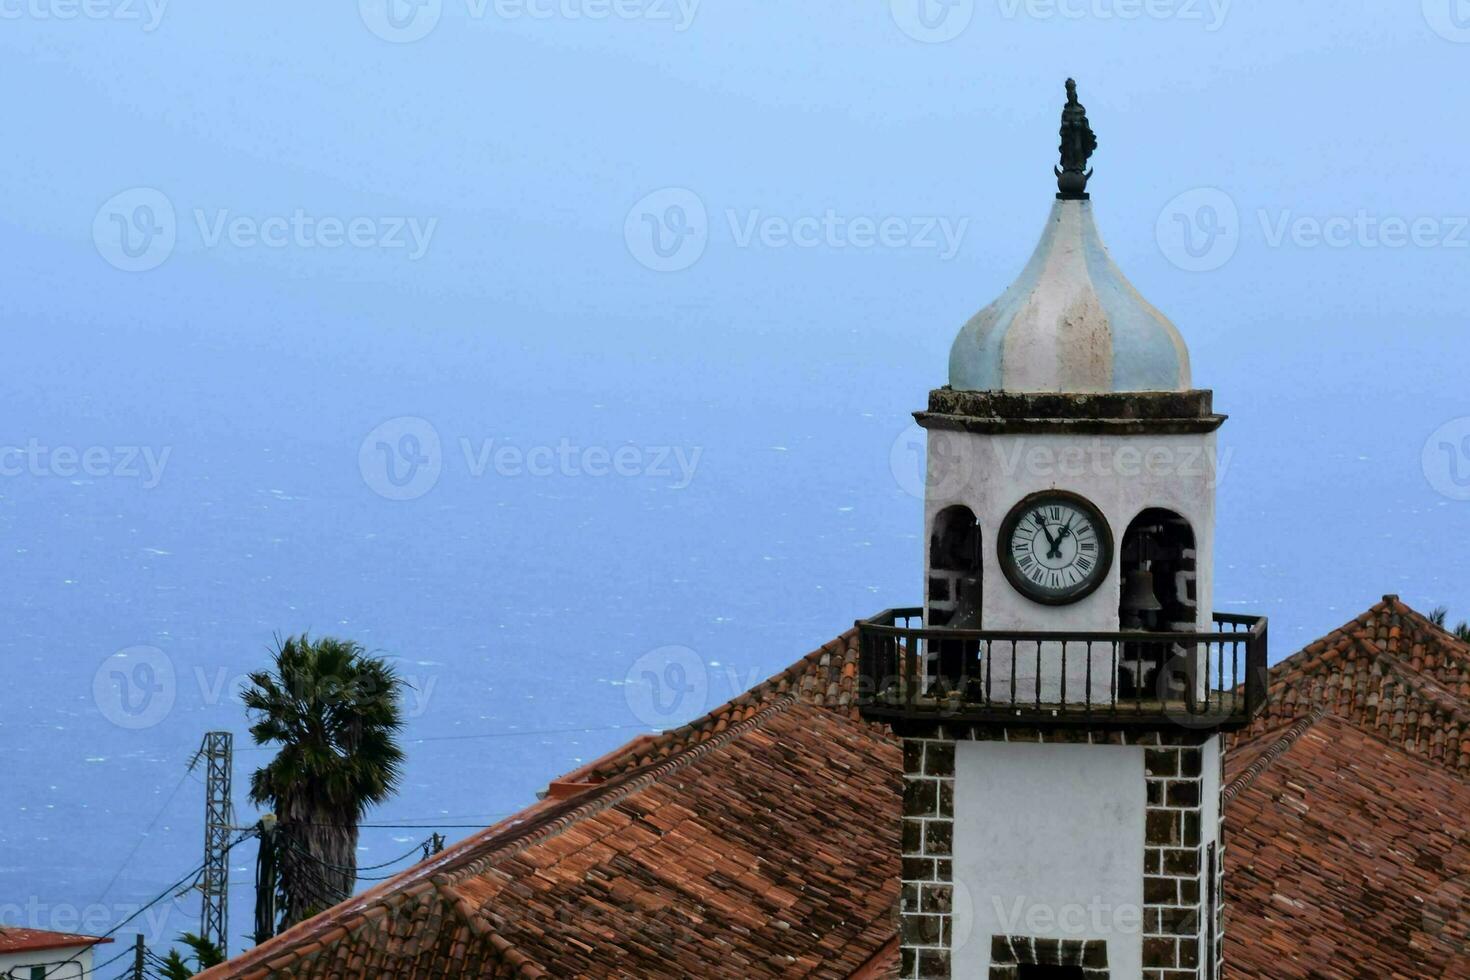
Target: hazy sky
{"type": "Point", "coordinates": [246, 235]}
{"type": "Point", "coordinates": [344, 189]}
{"type": "Point", "coordinates": [525, 130]}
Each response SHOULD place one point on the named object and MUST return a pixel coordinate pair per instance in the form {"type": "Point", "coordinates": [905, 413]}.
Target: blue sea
{"type": "Point", "coordinates": [518, 605]}
{"type": "Point", "coordinates": [533, 457]}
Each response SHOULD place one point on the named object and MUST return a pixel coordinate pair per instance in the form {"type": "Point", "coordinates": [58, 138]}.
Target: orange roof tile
{"type": "Point", "coordinates": [14, 939]}
{"type": "Point", "coordinates": [1346, 856]}
{"type": "Point", "coordinates": [726, 847]}
{"type": "Point", "coordinates": [1390, 671]}
{"type": "Point", "coordinates": [718, 846]}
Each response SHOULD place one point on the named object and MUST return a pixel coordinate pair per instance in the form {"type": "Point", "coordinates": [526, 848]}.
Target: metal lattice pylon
{"type": "Point", "coordinates": [218, 752]}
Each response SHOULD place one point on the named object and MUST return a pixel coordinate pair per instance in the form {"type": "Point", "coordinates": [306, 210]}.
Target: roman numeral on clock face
{"type": "Point", "coordinates": [1058, 547]}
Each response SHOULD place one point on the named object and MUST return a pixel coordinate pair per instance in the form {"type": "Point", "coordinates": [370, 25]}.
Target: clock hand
{"type": "Point", "coordinates": [1055, 551]}
{"type": "Point", "coordinates": [1041, 523]}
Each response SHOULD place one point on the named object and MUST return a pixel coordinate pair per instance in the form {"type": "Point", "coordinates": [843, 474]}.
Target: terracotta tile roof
{"type": "Point", "coordinates": [761, 840]}
{"type": "Point", "coordinates": [17, 940]}
{"type": "Point", "coordinates": [756, 841]}
{"type": "Point", "coordinates": [1390, 671]}
{"type": "Point", "coordinates": [1346, 857]}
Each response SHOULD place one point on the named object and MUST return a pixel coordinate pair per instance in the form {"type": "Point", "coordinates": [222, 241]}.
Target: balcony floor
{"type": "Point", "coordinates": [1228, 714]}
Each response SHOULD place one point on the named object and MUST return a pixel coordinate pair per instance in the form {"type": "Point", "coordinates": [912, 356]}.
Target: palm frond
{"type": "Point", "coordinates": [334, 714]}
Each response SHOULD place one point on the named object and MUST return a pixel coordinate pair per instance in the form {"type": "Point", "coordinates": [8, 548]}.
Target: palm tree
{"type": "Point", "coordinates": [335, 713]}
{"type": "Point", "coordinates": [1438, 618]}
{"type": "Point", "coordinates": [206, 955]}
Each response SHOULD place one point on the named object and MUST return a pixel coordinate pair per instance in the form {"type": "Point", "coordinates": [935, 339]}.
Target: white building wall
{"type": "Point", "coordinates": [1049, 843]}
{"type": "Point", "coordinates": [1122, 475]}
{"type": "Point", "coordinates": [1210, 758]}
{"type": "Point", "coordinates": [20, 964]}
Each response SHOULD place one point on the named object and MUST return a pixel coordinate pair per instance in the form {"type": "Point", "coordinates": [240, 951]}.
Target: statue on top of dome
{"type": "Point", "coordinates": [1078, 144]}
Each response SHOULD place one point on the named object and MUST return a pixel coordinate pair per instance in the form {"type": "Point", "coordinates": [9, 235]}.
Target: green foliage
{"type": "Point", "coordinates": [334, 713]}
{"type": "Point", "coordinates": [1439, 617]}
{"type": "Point", "coordinates": [205, 955]}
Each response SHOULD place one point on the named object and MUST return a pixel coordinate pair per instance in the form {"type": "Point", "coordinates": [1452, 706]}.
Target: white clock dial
{"type": "Point", "coordinates": [1057, 548]}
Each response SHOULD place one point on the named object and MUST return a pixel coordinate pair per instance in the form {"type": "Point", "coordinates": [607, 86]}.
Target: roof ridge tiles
{"type": "Point", "coordinates": [784, 683]}
{"type": "Point", "coordinates": [1395, 685]}
{"type": "Point", "coordinates": [515, 837]}
{"type": "Point", "coordinates": [1424, 683]}
{"type": "Point", "coordinates": [603, 795]}
{"type": "Point", "coordinates": [1273, 752]}
{"type": "Point", "coordinates": [1328, 647]}
{"type": "Point", "coordinates": [1359, 636]}
{"type": "Point", "coordinates": [588, 804]}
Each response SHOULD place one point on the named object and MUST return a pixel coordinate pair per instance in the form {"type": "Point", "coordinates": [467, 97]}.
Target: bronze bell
{"type": "Point", "coordinates": [1139, 597]}
{"type": "Point", "coordinates": [967, 612]}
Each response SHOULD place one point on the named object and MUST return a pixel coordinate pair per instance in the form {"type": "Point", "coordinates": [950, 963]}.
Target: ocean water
{"type": "Point", "coordinates": [520, 605]}
{"type": "Point", "coordinates": [543, 456]}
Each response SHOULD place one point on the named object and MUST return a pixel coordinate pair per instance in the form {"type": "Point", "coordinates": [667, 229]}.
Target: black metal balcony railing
{"type": "Point", "coordinates": [1211, 680]}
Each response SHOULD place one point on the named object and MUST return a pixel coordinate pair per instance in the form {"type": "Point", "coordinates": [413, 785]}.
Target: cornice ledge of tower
{"type": "Point", "coordinates": [1071, 344]}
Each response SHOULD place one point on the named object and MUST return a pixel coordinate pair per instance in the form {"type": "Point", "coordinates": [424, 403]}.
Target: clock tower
{"type": "Point", "coordinates": [1062, 690]}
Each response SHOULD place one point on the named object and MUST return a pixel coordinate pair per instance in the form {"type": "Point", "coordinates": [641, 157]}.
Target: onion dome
{"type": "Point", "coordinates": [1071, 322]}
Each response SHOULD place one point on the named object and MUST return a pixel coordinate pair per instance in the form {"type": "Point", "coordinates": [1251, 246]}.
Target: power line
{"type": "Point", "coordinates": [190, 877]}
{"type": "Point", "coordinates": [296, 846]}
{"type": "Point", "coordinates": [144, 835]}
{"type": "Point", "coordinates": [124, 951]}
{"type": "Point", "coordinates": [428, 826]}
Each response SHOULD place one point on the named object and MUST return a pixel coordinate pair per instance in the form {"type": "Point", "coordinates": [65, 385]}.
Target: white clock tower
{"type": "Point", "coordinates": [1062, 690]}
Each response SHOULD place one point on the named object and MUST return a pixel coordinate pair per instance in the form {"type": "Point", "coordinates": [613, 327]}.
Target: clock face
{"type": "Point", "coordinates": [1055, 547]}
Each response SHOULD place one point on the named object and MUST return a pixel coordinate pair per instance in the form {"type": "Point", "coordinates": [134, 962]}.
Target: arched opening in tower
{"type": "Point", "coordinates": [955, 590]}
{"type": "Point", "coordinates": [1158, 565]}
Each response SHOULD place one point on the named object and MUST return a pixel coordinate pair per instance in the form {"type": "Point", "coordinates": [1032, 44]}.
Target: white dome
{"type": "Point", "coordinates": [1070, 323]}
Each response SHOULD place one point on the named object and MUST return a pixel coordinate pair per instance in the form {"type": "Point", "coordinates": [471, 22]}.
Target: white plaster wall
{"type": "Point", "coordinates": [22, 962]}
{"type": "Point", "coordinates": [1057, 829]}
{"type": "Point", "coordinates": [1210, 787]}
{"type": "Point", "coordinates": [1122, 475]}
{"type": "Point", "coordinates": [1209, 832]}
